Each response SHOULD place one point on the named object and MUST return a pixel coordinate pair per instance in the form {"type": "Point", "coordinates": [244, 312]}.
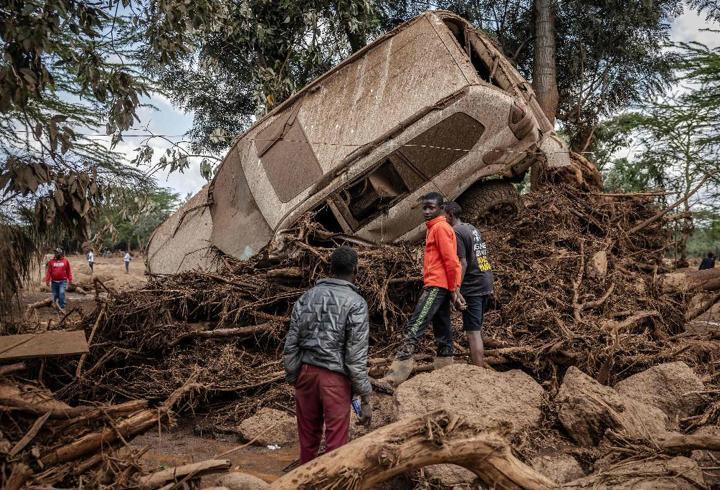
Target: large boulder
{"type": "Point", "coordinates": [485, 398]}
{"type": "Point", "coordinates": [269, 426]}
{"type": "Point", "coordinates": [559, 467]}
{"type": "Point", "coordinates": [588, 409]}
{"type": "Point", "coordinates": [509, 401]}
{"type": "Point", "coordinates": [658, 474]}
{"type": "Point", "coordinates": [671, 387]}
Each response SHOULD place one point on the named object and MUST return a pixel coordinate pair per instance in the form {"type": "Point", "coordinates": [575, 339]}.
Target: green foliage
{"type": "Point", "coordinates": [610, 56]}
{"type": "Point", "coordinates": [234, 60]}
{"type": "Point", "coordinates": [674, 145]}
{"type": "Point", "coordinates": [228, 61]}
{"type": "Point", "coordinates": [65, 72]}
{"type": "Point", "coordinates": [700, 67]}
{"type": "Point", "coordinates": [711, 8]}
{"type": "Point", "coordinates": [672, 150]}
{"type": "Point", "coordinates": [127, 219]}
{"type": "Point", "coordinates": [706, 237]}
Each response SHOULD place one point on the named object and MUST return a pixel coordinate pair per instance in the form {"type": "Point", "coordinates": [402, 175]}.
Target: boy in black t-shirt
{"type": "Point", "coordinates": [708, 262]}
{"type": "Point", "coordinates": [477, 279]}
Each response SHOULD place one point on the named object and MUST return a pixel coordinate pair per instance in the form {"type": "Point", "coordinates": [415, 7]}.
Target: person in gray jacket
{"type": "Point", "coordinates": [325, 357]}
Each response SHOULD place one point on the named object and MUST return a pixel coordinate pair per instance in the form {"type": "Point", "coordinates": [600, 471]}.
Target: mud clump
{"type": "Point", "coordinates": [269, 427]}
{"type": "Point", "coordinates": [485, 398]}
{"type": "Point", "coordinates": [561, 468]}
{"type": "Point", "coordinates": [240, 481]}
{"type": "Point", "coordinates": [672, 387]}
{"type": "Point", "coordinates": [588, 409]}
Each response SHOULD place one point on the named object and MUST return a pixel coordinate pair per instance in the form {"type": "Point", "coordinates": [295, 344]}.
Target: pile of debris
{"type": "Point", "coordinates": [578, 289]}
{"type": "Point", "coordinates": [47, 442]}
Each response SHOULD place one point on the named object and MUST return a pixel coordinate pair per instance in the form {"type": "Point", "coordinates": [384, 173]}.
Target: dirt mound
{"type": "Point", "coordinates": [672, 387]}
{"type": "Point", "coordinates": [486, 398]}
{"type": "Point", "coordinates": [588, 409]}
{"type": "Point", "coordinates": [269, 426]}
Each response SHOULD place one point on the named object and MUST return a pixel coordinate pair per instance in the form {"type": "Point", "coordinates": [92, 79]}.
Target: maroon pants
{"type": "Point", "coordinates": [321, 396]}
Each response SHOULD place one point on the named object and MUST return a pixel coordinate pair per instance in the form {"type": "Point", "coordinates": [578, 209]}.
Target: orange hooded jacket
{"type": "Point", "coordinates": [441, 266]}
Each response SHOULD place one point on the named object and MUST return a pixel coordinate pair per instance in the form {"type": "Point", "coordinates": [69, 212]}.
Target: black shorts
{"type": "Point", "coordinates": [474, 313]}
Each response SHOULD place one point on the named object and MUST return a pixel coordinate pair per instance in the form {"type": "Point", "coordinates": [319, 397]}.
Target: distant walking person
{"type": "Point", "coordinates": [127, 260]}
{"type": "Point", "coordinates": [325, 357]}
{"type": "Point", "coordinates": [708, 262]}
{"type": "Point", "coordinates": [91, 261]}
{"type": "Point", "coordinates": [477, 279]}
{"type": "Point", "coordinates": [58, 275]}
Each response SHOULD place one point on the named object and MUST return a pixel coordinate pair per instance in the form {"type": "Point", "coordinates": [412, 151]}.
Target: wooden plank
{"type": "Point", "coordinates": [44, 344]}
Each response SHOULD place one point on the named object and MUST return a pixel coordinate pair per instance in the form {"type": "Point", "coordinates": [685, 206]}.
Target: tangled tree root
{"type": "Point", "coordinates": [435, 438]}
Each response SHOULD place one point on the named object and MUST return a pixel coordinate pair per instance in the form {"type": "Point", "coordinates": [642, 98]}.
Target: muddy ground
{"type": "Point", "coordinates": [110, 270]}
{"type": "Point", "coordinates": [182, 445]}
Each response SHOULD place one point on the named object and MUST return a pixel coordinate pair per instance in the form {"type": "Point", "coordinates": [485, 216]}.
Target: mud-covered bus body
{"type": "Point", "coordinates": [430, 106]}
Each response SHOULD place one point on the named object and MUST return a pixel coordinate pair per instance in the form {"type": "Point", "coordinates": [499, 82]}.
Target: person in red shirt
{"type": "Point", "coordinates": [442, 276]}
{"type": "Point", "coordinates": [58, 275]}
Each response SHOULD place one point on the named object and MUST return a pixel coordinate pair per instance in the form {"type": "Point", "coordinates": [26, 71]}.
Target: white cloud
{"type": "Point", "coordinates": [692, 27]}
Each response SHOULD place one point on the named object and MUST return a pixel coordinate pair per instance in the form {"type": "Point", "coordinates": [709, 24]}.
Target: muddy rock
{"type": "Point", "coordinates": [269, 426]}
{"type": "Point", "coordinates": [588, 409]}
{"type": "Point", "coordinates": [659, 474]}
{"type": "Point", "coordinates": [241, 481]}
{"type": "Point", "coordinates": [485, 398]}
{"type": "Point", "coordinates": [449, 476]}
{"type": "Point", "coordinates": [559, 467]}
{"type": "Point", "coordinates": [666, 386]}
{"type": "Point", "coordinates": [597, 266]}
{"type": "Point", "coordinates": [709, 461]}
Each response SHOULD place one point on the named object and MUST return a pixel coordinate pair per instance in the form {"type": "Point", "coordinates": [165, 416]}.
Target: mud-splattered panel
{"type": "Point", "coordinates": [239, 228]}
{"type": "Point", "coordinates": [182, 242]}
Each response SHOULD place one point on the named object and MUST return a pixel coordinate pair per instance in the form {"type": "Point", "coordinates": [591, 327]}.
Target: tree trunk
{"type": "Point", "coordinates": [544, 69]}
{"type": "Point", "coordinates": [434, 438]}
{"type": "Point", "coordinates": [689, 280]}
{"type": "Point", "coordinates": [192, 470]}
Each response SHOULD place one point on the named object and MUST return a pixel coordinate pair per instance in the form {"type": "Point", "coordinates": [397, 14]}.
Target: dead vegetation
{"type": "Point", "coordinates": [578, 283]}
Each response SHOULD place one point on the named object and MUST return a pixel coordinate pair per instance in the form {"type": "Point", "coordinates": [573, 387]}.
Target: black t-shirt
{"type": "Point", "coordinates": [707, 263]}
{"type": "Point", "coordinates": [478, 279]}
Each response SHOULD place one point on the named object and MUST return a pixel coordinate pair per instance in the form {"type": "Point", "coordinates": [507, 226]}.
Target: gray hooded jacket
{"type": "Point", "coordinates": [329, 328]}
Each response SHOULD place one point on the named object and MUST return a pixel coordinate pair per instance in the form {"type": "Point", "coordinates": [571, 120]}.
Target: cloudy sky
{"type": "Point", "coordinates": [172, 122]}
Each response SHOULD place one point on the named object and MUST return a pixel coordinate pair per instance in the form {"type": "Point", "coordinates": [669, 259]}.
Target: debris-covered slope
{"type": "Point", "coordinates": [577, 285]}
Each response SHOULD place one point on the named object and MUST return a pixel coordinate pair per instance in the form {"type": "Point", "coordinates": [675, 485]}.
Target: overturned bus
{"type": "Point", "coordinates": [431, 106]}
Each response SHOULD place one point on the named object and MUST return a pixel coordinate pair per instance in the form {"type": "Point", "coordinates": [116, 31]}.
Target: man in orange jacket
{"type": "Point", "coordinates": [442, 276]}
